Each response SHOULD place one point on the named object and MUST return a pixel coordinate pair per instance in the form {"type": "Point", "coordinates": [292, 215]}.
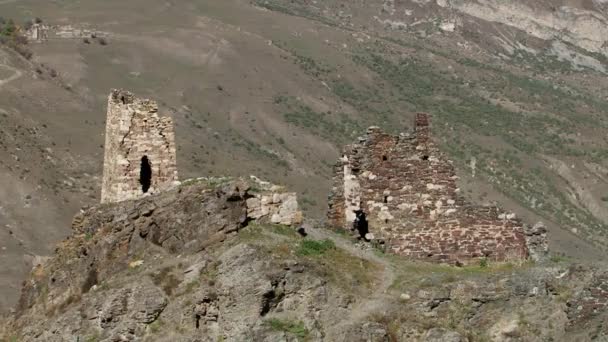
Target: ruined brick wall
{"type": "Point", "coordinates": [408, 192]}
{"type": "Point", "coordinates": [139, 149]}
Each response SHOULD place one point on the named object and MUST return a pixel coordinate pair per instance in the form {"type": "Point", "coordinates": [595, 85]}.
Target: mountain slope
{"type": "Point", "coordinates": [275, 88]}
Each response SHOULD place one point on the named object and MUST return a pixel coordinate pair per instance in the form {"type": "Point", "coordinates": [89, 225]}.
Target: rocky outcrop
{"type": "Point", "coordinates": [191, 265]}
{"type": "Point", "coordinates": [590, 304]}
{"type": "Point", "coordinates": [584, 27]}
{"type": "Point", "coordinates": [536, 241]}
{"type": "Point", "coordinates": [133, 267]}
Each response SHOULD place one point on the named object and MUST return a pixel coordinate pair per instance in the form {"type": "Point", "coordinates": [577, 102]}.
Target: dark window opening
{"type": "Point", "coordinates": [385, 199]}
{"type": "Point", "coordinates": [197, 320]}
{"type": "Point", "coordinates": [360, 224]}
{"type": "Point", "coordinates": [145, 174]}
{"type": "Point", "coordinates": [425, 157]}
{"type": "Point", "coordinates": [385, 158]}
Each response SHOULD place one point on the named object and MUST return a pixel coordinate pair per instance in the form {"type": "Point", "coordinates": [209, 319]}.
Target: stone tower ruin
{"type": "Point", "coordinates": [401, 190]}
{"type": "Point", "coordinates": [139, 150]}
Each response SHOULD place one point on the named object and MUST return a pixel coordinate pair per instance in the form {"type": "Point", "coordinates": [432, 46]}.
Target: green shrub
{"type": "Point", "coordinates": [156, 326]}
{"type": "Point", "coordinates": [92, 338]}
{"type": "Point", "coordinates": [312, 247]}
{"type": "Point", "coordinates": [296, 328]}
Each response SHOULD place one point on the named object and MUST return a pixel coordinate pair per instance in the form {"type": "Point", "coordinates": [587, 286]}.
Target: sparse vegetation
{"type": "Point", "coordinates": [212, 182]}
{"type": "Point", "coordinates": [13, 36]}
{"type": "Point", "coordinates": [314, 248]}
{"type": "Point", "coordinates": [296, 9]}
{"type": "Point", "coordinates": [292, 327]}
{"type": "Point", "coordinates": [92, 338]}
{"type": "Point", "coordinates": [337, 127]}
{"type": "Point", "coordinates": [156, 326]}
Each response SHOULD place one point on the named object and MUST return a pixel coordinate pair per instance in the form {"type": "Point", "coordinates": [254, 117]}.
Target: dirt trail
{"type": "Point", "coordinates": [379, 299]}
{"type": "Point", "coordinates": [16, 73]}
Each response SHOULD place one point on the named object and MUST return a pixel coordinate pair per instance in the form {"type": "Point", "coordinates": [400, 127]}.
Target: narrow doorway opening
{"type": "Point", "coordinates": [360, 224]}
{"type": "Point", "coordinates": [197, 321]}
{"type": "Point", "coordinates": [145, 174]}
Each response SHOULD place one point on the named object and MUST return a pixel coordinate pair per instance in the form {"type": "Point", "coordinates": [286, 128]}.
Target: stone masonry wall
{"type": "Point", "coordinates": [407, 190]}
{"type": "Point", "coordinates": [271, 203]}
{"type": "Point", "coordinates": [134, 131]}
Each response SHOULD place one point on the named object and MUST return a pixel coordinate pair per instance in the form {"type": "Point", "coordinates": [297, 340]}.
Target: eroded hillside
{"type": "Point", "coordinates": [276, 88]}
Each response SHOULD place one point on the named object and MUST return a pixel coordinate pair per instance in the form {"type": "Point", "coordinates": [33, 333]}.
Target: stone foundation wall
{"type": "Point", "coordinates": [133, 131]}
{"type": "Point", "coordinates": [271, 203]}
{"type": "Point", "coordinates": [407, 190]}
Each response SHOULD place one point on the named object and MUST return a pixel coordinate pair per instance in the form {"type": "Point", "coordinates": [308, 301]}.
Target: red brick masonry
{"type": "Point", "coordinates": [407, 190]}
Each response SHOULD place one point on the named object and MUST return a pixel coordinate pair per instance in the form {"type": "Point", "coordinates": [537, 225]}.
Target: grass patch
{"type": "Point", "coordinates": [341, 268]}
{"type": "Point", "coordinates": [558, 258]}
{"type": "Point", "coordinates": [267, 233]}
{"type": "Point", "coordinates": [416, 274]}
{"type": "Point", "coordinates": [212, 182]}
{"type": "Point", "coordinates": [348, 272]}
{"type": "Point", "coordinates": [337, 127]}
{"type": "Point", "coordinates": [92, 338]}
{"type": "Point", "coordinates": [156, 326]}
{"type": "Point", "coordinates": [315, 248]}
{"type": "Point", "coordinates": [282, 230]}
{"type": "Point", "coordinates": [295, 328]}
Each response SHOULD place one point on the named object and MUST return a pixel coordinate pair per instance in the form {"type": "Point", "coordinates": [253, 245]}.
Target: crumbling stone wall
{"type": "Point", "coordinates": [271, 203]}
{"type": "Point", "coordinates": [37, 33]}
{"type": "Point", "coordinates": [406, 190]}
{"type": "Point", "coordinates": [139, 150]}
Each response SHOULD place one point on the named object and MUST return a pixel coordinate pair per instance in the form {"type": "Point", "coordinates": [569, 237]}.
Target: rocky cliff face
{"type": "Point", "coordinates": [191, 264]}
{"type": "Point", "coordinates": [581, 23]}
